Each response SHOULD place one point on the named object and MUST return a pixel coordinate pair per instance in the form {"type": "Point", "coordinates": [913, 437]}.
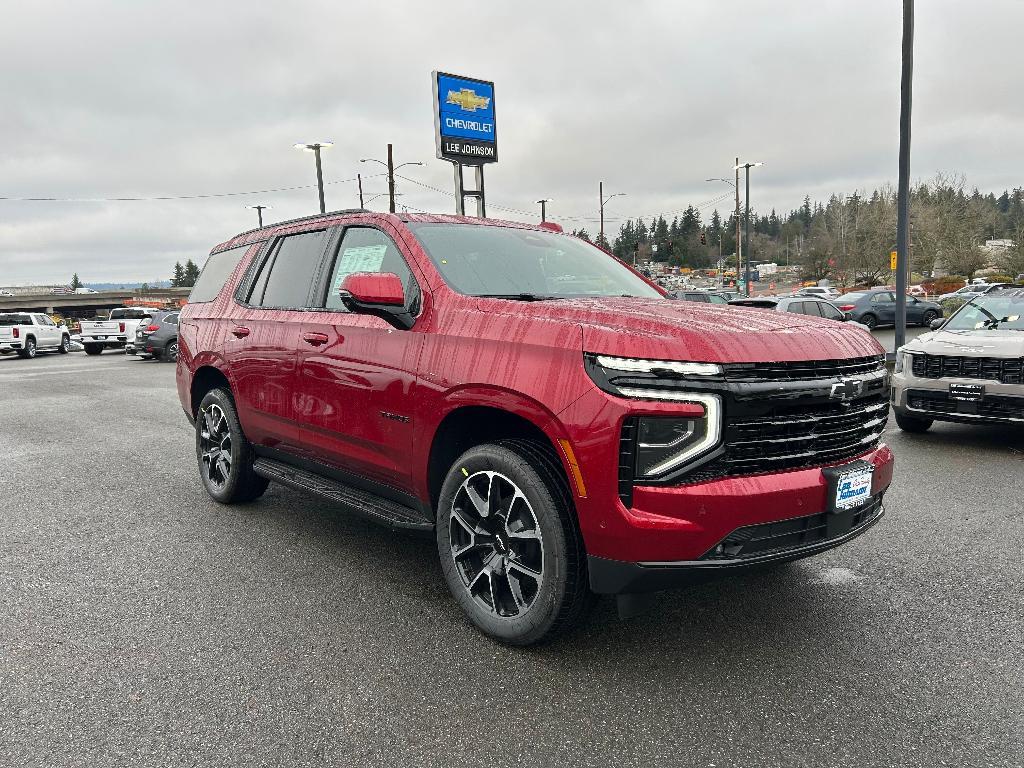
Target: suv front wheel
{"type": "Point", "coordinates": [224, 454]}
{"type": "Point", "coordinates": [510, 549]}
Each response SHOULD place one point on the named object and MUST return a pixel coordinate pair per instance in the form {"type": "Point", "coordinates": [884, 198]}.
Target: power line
{"type": "Point", "coordinates": [166, 198]}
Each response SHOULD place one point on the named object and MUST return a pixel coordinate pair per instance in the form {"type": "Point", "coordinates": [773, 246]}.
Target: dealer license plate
{"type": "Point", "coordinates": [853, 488]}
{"type": "Point", "coordinates": [967, 393]}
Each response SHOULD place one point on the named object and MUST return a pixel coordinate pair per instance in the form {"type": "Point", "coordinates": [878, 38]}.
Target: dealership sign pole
{"type": "Point", "coordinates": [464, 132]}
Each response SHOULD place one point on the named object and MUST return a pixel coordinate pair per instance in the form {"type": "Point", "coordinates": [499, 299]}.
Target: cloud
{"type": "Point", "coordinates": [169, 98]}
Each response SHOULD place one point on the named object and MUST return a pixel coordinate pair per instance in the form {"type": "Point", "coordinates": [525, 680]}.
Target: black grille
{"type": "Point", "coordinates": [776, 538]}
{"type": "Point", "coordinates": [802, 370]}
{"type": "Point", "coordinates": [990, 406]}
{"type": "Point", "coordinates": [1005, 370]}
{"type": "Point", "coordinates": [792, 436]}
{"type": "Point", "coordinates": [627, 460]}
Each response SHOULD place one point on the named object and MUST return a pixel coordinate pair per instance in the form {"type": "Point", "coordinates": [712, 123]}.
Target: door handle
{"type": "Point", "coordinates": [240, 332]}
{"type": "Point", "coordinates": [316, 339]}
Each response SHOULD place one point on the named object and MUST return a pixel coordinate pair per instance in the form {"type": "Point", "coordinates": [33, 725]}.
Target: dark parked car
{"type": "Point", "coordinates": [159, 339]}
{"type": "Point", "coordinates": [798, 305]}
{"type": "Point", "coordinates": [705, 296]}
{"type": "Point", "coordinates": [877, 307]}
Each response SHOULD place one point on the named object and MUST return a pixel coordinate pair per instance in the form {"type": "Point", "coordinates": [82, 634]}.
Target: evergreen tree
{"type": "Point", "coordinates": [191, 274]}
{"type": "Point", "coordinates": [75, 282]}
{"type": "Point", "coordinates": [178, 281]}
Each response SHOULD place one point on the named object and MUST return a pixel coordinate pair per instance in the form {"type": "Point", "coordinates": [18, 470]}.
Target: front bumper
{"type": "Point", "coordinates": [617, 577]}
{"type": "Point", "coordinates": [923, 398]}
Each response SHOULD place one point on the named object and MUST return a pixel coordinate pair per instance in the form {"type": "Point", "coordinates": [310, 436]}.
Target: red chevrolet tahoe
{"type": "Point", "coordinates": [560, 426]}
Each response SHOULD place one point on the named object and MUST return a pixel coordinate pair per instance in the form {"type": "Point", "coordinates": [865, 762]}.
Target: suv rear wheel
{"type": "Point", "coordinates": [171, 352]}
{"type": "Point", "coordinates": [510, 549]}
{"type": "Point", "coordinates": [224, 454]}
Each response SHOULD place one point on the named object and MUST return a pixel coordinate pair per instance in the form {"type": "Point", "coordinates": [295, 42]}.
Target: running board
{"type": "Point", "coordinates": [376, 508]}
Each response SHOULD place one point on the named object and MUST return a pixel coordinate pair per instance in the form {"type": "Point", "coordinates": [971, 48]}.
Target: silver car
{"type": "Point", "coordinates": [969, 369]}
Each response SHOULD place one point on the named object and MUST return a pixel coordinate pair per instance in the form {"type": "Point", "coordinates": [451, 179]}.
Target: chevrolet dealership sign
{"type": "Point", "coordinates": [464, 124]}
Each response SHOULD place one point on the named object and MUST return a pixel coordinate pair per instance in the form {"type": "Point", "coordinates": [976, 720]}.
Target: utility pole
{"type": "Point", "coordinates": [359, 178]}
{"type": "Point", "coordinates": [544, 209]}
{"type": "Point", "coordinates": [390, 165]}
{"type": "Point", "coordinates": [746, 237]}
{"type": "Point", "coordinates": [259, 212]}
{"type": "Point", "coordinates": [603, 200]}
{"type": "Point", "coordinates": [391, 181]}
{"type": "Point", "coordinates": [903, 190]}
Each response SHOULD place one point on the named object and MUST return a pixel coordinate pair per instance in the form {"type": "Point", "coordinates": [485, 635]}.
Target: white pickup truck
{"type": "Point", "coordinates": [114, 331]}
{"type": "Point", "coordinates": [28, 332]}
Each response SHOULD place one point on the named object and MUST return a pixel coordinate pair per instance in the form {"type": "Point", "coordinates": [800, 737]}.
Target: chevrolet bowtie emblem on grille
{"type": "Point", "coordinates": [847, 389]}
{"type": "Point", "coordinates": [468, 100]}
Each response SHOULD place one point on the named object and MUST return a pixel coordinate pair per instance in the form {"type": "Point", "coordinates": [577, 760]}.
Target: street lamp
{"type": "Point", "coordinates": [603, 199]}
{"type": "Point", "coordinates": [746, 224]}
{"type": "Point", "coordinates": [544, 209]}
{"type": "Point", "coordinates": [391, 167]}
{"type": "Point", "coordinates": [315, 148]}
{"type": "Point", "coordinates": [259, 212]}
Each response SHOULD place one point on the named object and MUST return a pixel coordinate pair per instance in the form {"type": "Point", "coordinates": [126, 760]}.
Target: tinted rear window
{"type": "Point", "coordinates": [216, 272]}
{"type": "Point", "coordinates": [287, 276]}
{"type": "Point", "coordinates": [15, 319]}
{"type": "Point", "coordinates": [851, 297]}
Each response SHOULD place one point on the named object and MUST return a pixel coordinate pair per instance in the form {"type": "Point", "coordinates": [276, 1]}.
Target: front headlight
{"type": "Point", "coordinates": [649, 379]}
{"type": "Point", "coordinates": [904, 361]}
{"type": "Point", "coordinates": [665, 443]}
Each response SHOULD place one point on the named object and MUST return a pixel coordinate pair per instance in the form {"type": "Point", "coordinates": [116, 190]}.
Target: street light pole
{"type": "Point", "coordinates": [543, 209]}
{"type": "Point", "coordinates": [739, 254]}
{"type": "Point", "coordinates": [359, 178]}
{"type": "Point", "coordinates": [315, 148]}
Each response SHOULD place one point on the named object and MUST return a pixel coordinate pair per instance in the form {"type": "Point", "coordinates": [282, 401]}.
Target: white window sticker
{"type": "Point", "coordinates": [364, 258]}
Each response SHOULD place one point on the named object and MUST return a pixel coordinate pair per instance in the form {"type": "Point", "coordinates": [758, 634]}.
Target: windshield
{"type": "Point", "coordinates": [1005, 313]}
{"type": "Point", "coordinates": [524, 263]}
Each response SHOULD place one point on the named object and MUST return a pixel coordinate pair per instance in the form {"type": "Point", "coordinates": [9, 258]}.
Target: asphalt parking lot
{"type": "Point", "coordinates": [142, 624]}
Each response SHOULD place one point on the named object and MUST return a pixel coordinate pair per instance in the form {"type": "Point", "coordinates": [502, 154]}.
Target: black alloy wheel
{"type": "Point", "coordinates": [510, 547]}
{"type": "Point", "coordinates": [869, 320]}
{"type": "Point", "coordinates": [224, 455]}
{"type": "Point", "coordinates": [929, 317]}
{"type": "Point", "coordinates": [171, 352]}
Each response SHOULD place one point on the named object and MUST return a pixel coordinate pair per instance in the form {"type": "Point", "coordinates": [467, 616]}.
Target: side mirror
{"type": "Point", "coordinates": [847, 316]}
{"type": "Point", "coordinates": [937, 323]}
{"type": "Point", "coordinates": [380, 294]}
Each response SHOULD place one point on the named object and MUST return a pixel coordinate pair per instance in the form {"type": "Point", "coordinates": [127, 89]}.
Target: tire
{"type": "Point", "coordinates": [912, 424]}
{"type": "Point", "coordinates": [522, 585]}
{"type": "Point", "coordinates": [170, 353]}
{"type": "Point", "coordinates": [30, 349]}
{"type": "Point", "coordinates": [224, 455]}
{"type": "Point", "coordinates": [869, 320]}
{"type": "Point", "coordinates": [65, 344]}
{"type": "Point", "coordinates": [929, 317]}
{"type": "Point", "coordinates": [93, 349]}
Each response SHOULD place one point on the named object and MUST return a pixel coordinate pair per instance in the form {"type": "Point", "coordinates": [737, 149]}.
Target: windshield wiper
{"type": "Point", "coordinates": [518, 296]}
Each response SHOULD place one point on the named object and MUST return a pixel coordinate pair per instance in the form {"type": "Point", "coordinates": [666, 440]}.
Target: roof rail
{"type": "Point", "coordinates": [304, 218]}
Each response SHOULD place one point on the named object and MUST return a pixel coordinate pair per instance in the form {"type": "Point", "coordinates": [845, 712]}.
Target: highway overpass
{"type": "Point", "coordinates": [84, 305]}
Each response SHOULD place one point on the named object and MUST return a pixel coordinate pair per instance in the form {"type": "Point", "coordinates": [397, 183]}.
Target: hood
{"type": "Point", "coordinates": [665, 329]}
{"type": "Point", "coordinates": [994, 343]}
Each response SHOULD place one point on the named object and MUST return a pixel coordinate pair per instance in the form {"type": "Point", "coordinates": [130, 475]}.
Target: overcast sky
{"type": "Point", "coordinates": [150, 99]}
